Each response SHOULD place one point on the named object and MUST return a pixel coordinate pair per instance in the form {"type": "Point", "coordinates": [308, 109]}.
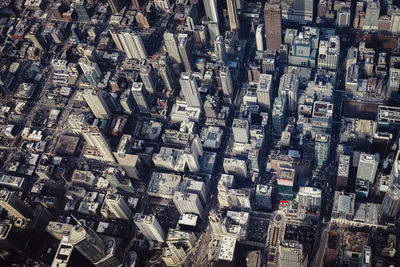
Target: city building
{"type": "Point", "coordinates": [171, 45]}
{"type": "Point", "coordinates": [211, 10]}
{"type": "Point", "coordinates": [97, 144]}
{"type": "Point", "coordinates": [233, 15]}
{"type": "Point", "coordinates": [241, 130]}
{"type": "Point", "coordinates": [309, 197]}
{"type": "Point", "coordinates": [329, 53]}
{"type": "Point", "coordinates": [190, 91]}
{"type": "Point", "coordinates": [273, 28]}
{"type": "Point", "coordinates": [115, 206]}
{"type": "Point", "coordinates": [130, 163]}
{"type": "Point", "coordinates": [14, 205]}
{"type": "Point", "coordinates": [291, 253]}
{"type": "Point", "coordinates": [279, 114]}
{"type": "Point", "coordinates": [97, 103]}
{"type": "Point", "coordinates": [185, 48]}
{"type": "Point", "coordinates": [391, 205]}
{"type": "Point", "coordinates": [91, 70]}
{"type": "Point", "coordinates": [303, 51]}
{"type": "Point", "coordinates": [372, 11]}
{"type": "Point", "coordinates": [116, 5]}
{"type": "Point", "coordinates": [288, 87]}
{"type": "Point", "coordinates": [149, 77]}
{"type": "Point", "coordinates": [166, 73]}
{"type": "Point", "coordinates": [80, 9]}
{"type": "Point", "coordinates": [188, 203]}
{"type": "Point", "coordinates": [322, 149]}
{"type": "Point", "coordinates": [343, 206]}
{"type": "Point", "coordinates": [367, 167]}
{"type": "Point", "coordinates": [149, 227]}
{"type": "Point", "coordinates": [236, 167]}
{"type": "Point", "coordinates": [131, 43]}
{"type": "Point", "coordinates": [141, 97]}
{"type": "Point", "coordinates": [219, 48]}
{"type": "Point", "coordinates": [263, 196]}
{"type": "Point", "coordinates": [286, 182]}
{"type": "Point", "coordinates": [343, 172]}
{"type": "Point", "coordinates": [265, 92]}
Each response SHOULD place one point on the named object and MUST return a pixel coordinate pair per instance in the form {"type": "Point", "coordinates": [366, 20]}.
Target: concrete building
{"type": "Point", "coordinates": [116, 5]}
{"type": "Point", "coordinates": [91, 70]}
{"type": "Point", "coordinates": [273, 28]}
{"type": "Point", "coordinates": [149, 227]}
{"type": "Point", "coordinates": [260, 38]}
{"type": "Point", "coordinates": [329, 53]}
{"type": "Point", "coordinates": [241, 131]}
{"type": "Point", "coordinates": [219, 49]}
{"type": "Point", "coordinates": [279, 114]}
{"type": "Point", "coordinates": [291, 254]}
{"type": "Point", "coordinates": [188, 203]}
{"type": "Point", "coordinates": [190, 91]}
{"type": "Point", "coordinates": [343, 172]}
{"type": "Point", "coordinates": [130, 163]}
{"type": "Point", "coordinates": [233, 15]}
{"type": "Point", "coordinates": [114, 205]}
{"type": "Point", "coordinates": [81, 12]}
{"type": "Point", "coordinates": [97, 145]}
{"type": "Point", "coordinates": [343, 205]}
{"type": "Point", "coordinates": [171, 45]}
{"type": "Point", "coordinates": [263, 196]}
{"type": "Point", "coordinates": [149, 77]}
{"type": "Point", "coordinates": [391, 205]}
{"type": "Point", "coordinates": [322, 149]}
{"type": "Point", "coordinates": [236, 167]}
{"type": "Point", "coordinates": [288, 87]}
{"type": "Point", "coordinates": [210, 7]}
{"type": "Point", "coordinates": [14, 205]}
{"type": "Point", "coordinates": [227, 84]}
{"type": "Point", "coordinates": [163, 185]}
{"type": "Point", "coordinates": [132, 44]}
{"type": "Point", "coordinates": [96, 101]}
{"type": "Point", "coordinates": [371, 21]}
{"type": "Point", "coordinates": [309, 197]}
{"type": "Point", "coordinates": [367, 167]}
{"type": "Point", "coordinates": [185, 48]}
{"type": "Point", "coordinates": [264, 92]}
{"type": "Point", "coordinates": [303, 51]}
{"type": "Point", "coordinates": [141, 97]}
{"type": "Point", "coordinates": [166, 73]}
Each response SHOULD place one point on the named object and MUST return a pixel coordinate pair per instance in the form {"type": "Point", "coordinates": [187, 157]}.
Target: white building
{"type": "Point", "coordinates": [329, 53]}
{"type": "Point", "coordinates": [190, 91]}
{"type": "Point", "coordinates": [309, 197]}
{"type": "Point", "coordinates": [149, 227]}
{"type": "Point", "coordinates": [264, 91]}
{"type": "Point", "coordinates": [96, 101]}
{"type": "Point", "coordinates": [288, 87]}
{"type": "Point", "coordinates": [367, 167]}
{"type": "Point", "coordinates": [260, 38]}
{"type": "Point", "coordinates": [114, 205]}
{"type": "Point", "coordinates": [132, 44]}
{"type": "Point", "coordinates": [236, 167]}
{"type": "Point", "coordinates": [188, 203]}
{"type": "Point", "coordinates": [241, 130]}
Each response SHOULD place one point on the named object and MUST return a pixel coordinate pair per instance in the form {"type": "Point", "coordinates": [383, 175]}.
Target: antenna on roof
{"type": "Point", "coordinates": [78, 222]}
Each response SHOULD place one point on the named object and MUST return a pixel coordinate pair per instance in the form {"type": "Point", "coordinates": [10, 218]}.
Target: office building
{"type": "Point", "coordinates": [371, 21]}
{"type": "Point", "coordinates": [236, 167]}
{"type": "Point", "coordinates": [115, 36]}
{"type": "Point", "coordinates": [132, 44]}
{"type": "Point", "coordinates": [213, 29]}
{"type": "Point", "coordinates": [367, 167]}
{"type": "Point", "coordinates": [97, 146]}
{"type": "Point", "coordinates": [77, 33]}
{"type": "Point", "coordinates": [116, 5]}
{"type": "Point", "coordinates": [166, 73]}
{"type": "Point", "coordinates": [263, 196]}
{"type": "Point", "coordinates": [193, 149]}
{"type": "Point", "coordinates": [163, 5]}
{"type": "Point", "coordinates": [233, 15]}
{"type": "Point", "coordinates": [303, 51]}
{"type": "Point", "coordinates": [329, 53]}
{"type": "Point", "coordinates": [171, 45]}
{"type": "Point", "coordinates": [260, 38]}
{"type": "Point", "coordinates": [96, 101]}
{"type": "Point", "coordinates": [91, 70]}
{"type": "Point", "coordinates": [279, 114]}
{"type": "Point", "coordinates": [149, 227]}
{"type": "Point", "coordinates": [343, 205]}
{"type": "Point", "coordinates": [116, 180]}
{"type": "Point", "coordinates": [227, 84]}
{"type": "Point", "coordinates": [391, 205]}
{"type": "Point", "coordinates": [80, 9]}
{"type": "Point", "coordinates": [190, 91]}
{"type": "Point", "coordinates": [141, 96]}
{"type": "Point", "coordinates": [14, 205]}
{"type": "Point", "coordinates": [179, 238]}
{"type": "Point", "coordinates": [241, 131]}
{"type": "Point", "coordinates": [309, 197]}
{"type": "Point", "coordinates": [63, 254]}
{"type": "Point", "coordinates": [322, 149]}
{"type": "Point", "coordinates": [288, 87]}
{"type": "Point", "coordinates": [264, 92]}
{"type": "Point", "coordinates": [130, 163]}
{"type": "Point", "coordinates": [321, 117]}
{"type": "Point", "coordinates": [291, 253]}
{"type": "Point", "coordinates": [115, 206]}
{"type": "Point", "coordinates": [393, 84]}
{"type": "Point", "coordinates": [219, 48]}
{"type": "Point", "coordinates": [395, 21]}
{"type": "Point", "coordinates": [127, 102]}
{"type": "Point", "coordinates": [343, 172]}
{"type": "Point", "coordinates": [173, 255]}
{"type": "Point", "coordinates": [273, 28]}
{"type": "Point", "coordinates": [210, 6]}
{"type": "Point", "coordinates": [87, 242]}
{"type": "Point", "coordinates": [185, 48]}
{"type": "Point", "coordinates": [149, 77]}
{"type": "Point", "coordinates": [36, 38]}
{"type": "Point", "coordinates": [343, 16]}
{"type": "Point", "coordinates": [217, 223]}
{"type": "Point", "coordinates": [188, 203]}
{"type": "Point", "coordinates": [286, 181]}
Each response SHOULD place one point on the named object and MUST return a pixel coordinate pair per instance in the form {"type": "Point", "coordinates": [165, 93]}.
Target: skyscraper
{"type": "Point", "coordinates": [14, 205]}
{"type": "Point", "coordinates": [116, 5]}
{"type": "Point", "coordinates": [79, 6]}
{"type": "Point", "coordinates": [36, 38]}
{"type": "Point", "coordinates": [141, 97]}
{"type": "Point", "coordinates": [171, 45]}
{"type": "Point", "coordinates": [210, 7]}
{"type": "Point", "coordinates": [166, 73]}
{"type": "Point", "coordinates": [130, 163]}
{"type": "Point", "coordinates": [117, 206]}
{"type": "Point", "coordinates": [309, 197]}
{"type": "Point", "coordinates": [273, 28]}
{"type": "Point", "coordinates": [233, 15]}
{"type": "Point", "coordinates": [132, 44]}
{"type": "Point", "coordinates": [219, 48]}
{"type": "Point", "coordinates": [260, 38]}
{"type": "Point", "coordinates": [96, 101]}
{"type": "Point", "coordinates": [91, 70]}
{"type": "Point", "coordinates": [87, 242]}
{"type": "Point", "coordinates": [149, 227]}
{"type": "Point", "coordinates": [185, 48]}
{"type": "Point", "coordinates": [188, 203]}
{"type": "Point", "coordinates": [279, 115]}
{"type": "Point", "coordinates": [322, 149]}
{"type": "Point", "coordinates": [264, 92]}
{"type": "Point", "coordinates": [97, 144]}
{"type": "Point", "coordinates": [226, 81]}
{"type": "Point", "coordinates": [391, 204]}
{"type": "Point", "coordinates": [288, 87]}
{"type": "Point", "coordinates": [149, 77]}
{"type": "Point", "coordinates": [367, 167]}
{"type": "Point", "coordinates": [190, 90]}
{"type": "Point", "coordinates": [114, 35]}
